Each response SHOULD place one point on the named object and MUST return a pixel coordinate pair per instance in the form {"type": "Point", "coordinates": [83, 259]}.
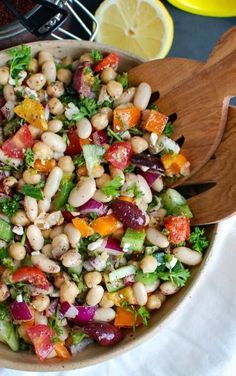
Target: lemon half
{"type": "Point", "coordinates": [143, 27]}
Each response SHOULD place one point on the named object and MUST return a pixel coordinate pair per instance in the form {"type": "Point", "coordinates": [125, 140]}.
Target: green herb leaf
{"type": "Point", "coordinates": [4, 312]}
{"type": "Point", "coordinates": [84, 242]}
{"type": "Point", "coordinates": [54, 323]}
{"type": "Point", "coordinates": [123, 80]}
{"type": "Point", "coordinates": [135, 131]}
{"type": "Point", "coordinates": [10, 206]}
{"type": "Point", "coordinates": [169, 129]}
{"type": "Point", "coordinates": [82, 287]}
{"type": "Point", "coordinates": [69, 207]}
{"type": "Point", "coordinates": [153, 107]}
{"type": "Point", "coordinates": [198, 240]}
{"type": "Point", "coordinates": [93, 157]}
{"type": "Point", "coordinates": [79, 160]}
{"type": "Point", "coordinates": [134, 190]}
{"type": "Point", "coordinates": [144, 314]}
{"type": "Point", "coordinates": [63, 66]}
{"type": "Point", "coordinates": [29, 158]}
{"type": "Point", "coordinates": [177, 275]}
{"type": "Point", "coordinates": [113, 187]}
{"type": "Point", "coordinates": [33, 190]}
{"type": "Point", "coordinates": [96, 84]}
{"type": "Point", "coordinates": [20, 58]}
{"type": "Point", "coordinates": [96, 55]}
{"type": "Point", "coordinates": [3, 253]}
{"type": "Point", "coordinates": [129, 169]}
{"type": "Point", "coordinates": [77, 336]}
{"type": "Point", "coordinates": [113, 134]}
{"type": "Point", "coordinates": [21, 288]}
{"type": "Point", "coordinates": [140, 312]}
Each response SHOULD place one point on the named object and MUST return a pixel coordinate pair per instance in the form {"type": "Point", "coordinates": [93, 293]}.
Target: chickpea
{"type": "Point", "coordinates": [55, 106]}
{"type": "Point", "coordinates": [41, 302]}
{"type": "Point", "coordinates": [114, 89]}
{"type": "Point", "coordinates": [4, 75]}
{"type": "Point", "coordinates": [42, 95]}
{"type": "Point", "coordinates": [98, 171]}
{"type": "Point", "coordinates": [64, 75]}
{"type": "Point", "coordinates": [17, 251]}
{"type": "Point", "coordinates": [138, 144]}
{"type": "Point", "coordinates": [107, 111]}
{"type": "Point", "coordinates": [4, 292]}
{"type": "Point", "coordinates": [86, 57]}
{"type": "Point", "coordinates": [56, 230]}
{"type": "Point", "coordinates": [67, 60]}
{"type": "Point", "coordinates": [36, 81]}
{"type": "Point", "coordinates": [92, 279]}
{"type": "Point", "coordinates": [66, 164]}
{"type": "Point", "coordinates": [108, 74]}
{"type": "Point", "coordinates": [49, 70]}
{"type": "Point", "coordinates": [47, 249]}
{"type": "Point", "coordinates": [42, 151]}
{"type": "Point", "coordinates": [153, 302]}
{"type": "Point", "coordinates": [31, 176]}
{"type": "Point", "coordinates": [99, 121]}
{"type": "Point", "coordinates": [9, 93]}
{"type": "Point", "coordinates": [33, 66]}
{"type": "Point", "coordinates": [20, 218]}
{"type": "Point", "coordinates": [55, 125]}
{"type": "Point", "coordinates": [71, 259]}
{"type": "Point", "coordinates": [55, 89]}
{"type": "Point", "coordinates": [84, 128]}
{"type": "Point", "coordinates": [148, 264]}
{"type": "Point", "coordinates": [106, 302]}
{"type": "Point", "coordinates": [44, 56]}
{"type": "Point", "coordinates": [103, 180]}
{"type": "Point", "coordinates": [68, 292]}
{"type": "Point", "coordinates": [60, 278]}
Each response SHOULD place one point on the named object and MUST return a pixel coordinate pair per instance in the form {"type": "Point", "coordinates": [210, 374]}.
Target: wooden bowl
{"type": "Point", "coordinates": [94, 354]}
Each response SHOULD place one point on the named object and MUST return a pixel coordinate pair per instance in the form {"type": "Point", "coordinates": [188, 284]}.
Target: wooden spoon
{"type": "Point", "coordinates": [198, 93]}
{"type": "Point", "coordinates": [218, 202]}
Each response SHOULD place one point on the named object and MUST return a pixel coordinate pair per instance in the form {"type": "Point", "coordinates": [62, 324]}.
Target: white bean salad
{"type": "Point", "coordinates": [93, 239]}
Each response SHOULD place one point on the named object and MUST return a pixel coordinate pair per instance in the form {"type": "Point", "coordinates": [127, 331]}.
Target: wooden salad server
{"type": "Point", "coordinates": [219, 201]}
{"type": "Point", "coordinates": [199, 93]}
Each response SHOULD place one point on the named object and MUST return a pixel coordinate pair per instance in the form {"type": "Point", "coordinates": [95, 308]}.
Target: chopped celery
{"type": "Point", "coordinates": [5, 231]}
{"type": "Point", "coordinates": [9, 335]}
{"type": "Point", "coordinates": [113, 286]}
{"type": "Point", "coordinates": [122, 272]}
{"type": "Point", "coordinates": [93, 156]}
{"type": "Point", "coordinates": [146, 278]}
{"type": "Point", "coordinates": [175, 203]}
{"type": "Point", "coordinates": [133, 240]}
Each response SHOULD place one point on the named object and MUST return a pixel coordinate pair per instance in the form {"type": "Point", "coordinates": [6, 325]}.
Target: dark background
{"type": "Point", "coordinates": [194, 35]}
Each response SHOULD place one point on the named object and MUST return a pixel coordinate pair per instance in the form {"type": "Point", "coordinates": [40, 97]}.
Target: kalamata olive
{"type": "Point", "coordinates": [104, 333]}
{"type": "Point", "coordinates": [147, 160]}
{"type": "Point", "coordinates": [80, 83]}
{"type": "Point", "coordinates": [129, 214]}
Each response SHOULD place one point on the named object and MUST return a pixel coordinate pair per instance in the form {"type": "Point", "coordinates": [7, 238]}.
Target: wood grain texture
{"type": "Point", "coordinates": [218, 202]}
{"type": "Point", "coordinates": [199, 93]}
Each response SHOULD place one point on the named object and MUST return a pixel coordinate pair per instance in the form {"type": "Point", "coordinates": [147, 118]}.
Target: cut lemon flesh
{"type": "Point", "coordinates": [143, 27]}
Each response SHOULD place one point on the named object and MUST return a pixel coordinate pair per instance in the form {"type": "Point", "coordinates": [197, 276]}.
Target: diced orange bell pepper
{"type": "Point", "coordinates": [126, 198]}
{"type": "Point", "coordinates": [33, 112]}
{"type": "Point", "coordinates": [175, 164]}
{"type": "Point", "coordinates": [125, 118]}
{"type": "Point", "coordinates": [126, 294]}
{"type": "Point", "coordinates": [83, 227]}
{"type": "Point", "coordinates": [155, 122]}
{"type": "Point", "coordinates": [44, 166]}
{"type": "Point", "coordinates": [61, 351]}
{"type": "Point", "coordinates": [106, 225]}
{"type": "Point", "coordinates": [84, 141]}
{"type": "Point", "coordinates": [126, 319]}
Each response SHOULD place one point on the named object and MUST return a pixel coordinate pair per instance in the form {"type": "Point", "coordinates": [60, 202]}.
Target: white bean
{"type": "Point", "coordinates": [60, 245]}
{"type": "Point", "coordinates": [158, 185]}
{"type": "Point", "coordinates": [35, 237]}
{"type": "Point", "coordinates": [40, 319]}
{"type": "Point", "coordinates": [42, 151]}
{"type": "Point", "coordinates": [54, 141]}
{"type": "Point", "coordinates": [152, 287]}
{"type": "Point", "coordinates": [155, 237]}
{"type": "Point", "coordinates": [53, 182]}
{"type": "Point", "coordinates": [20, 218]}
{"type": "Point", "coordinates": [31, 176]}
{"type": "Point", "coordinates": [94, 295]}
{"type": "Point", "coordinates": [66, 164]}
{"type": "Point", "coordinates": [168, 288]}
{"type": "Point", "coordinates": [36, 81]}
{"type": "Point", "coordinates": [8, 93]}
{"type": "Point", "coordinates": [4, 75]}
{"type": "Point", "coordinates": [4, 292]}
{"type": "Point", "coordinates": [55, 106]}
{"type": "Point", "coordinates": [44, 205]}
{"type": "Point", "coordinates": [148, 264]}
{"type": "Point", "coordinates": [68, 292]}
{"type": "Point", "coordinates": [55, 231]}
{"type": "Point", "coordinates": [55, 125]}
{"type": "Point", "coordinates": [71, 259]}
{"type": "Point", "coordinates": [41, 302]}
{"type": "Point", "coordinates": [49, 70]}
{"type": "Point", "coordinates": [92, 279]}
{"type": "Point", "coordinates": [108, 74]}
{"type": "Point", "coordinates": [73, 234]}
{"type": "Point", "coordinates": [44, 56]}
{"type": "Point", "coordinates": [100, 121]}
{"type": "Point", "coordinates": [142, 95]}
{"type": "Point", "coordinates": [47, 250]}
{"type": "Point", "coordinates": [144, 188]}
{"type": "Point", "coordinates": [106, 302]}
{"type": "Point", "coordinates": [153, 302]}
{"type": "Point", "coordinates": [55, 89]}
{"type": "Point", "coordinates": [84, 190]}
{"type": "Point", "coordinates": [67, 60]}
{"type": "Point", "coordinates": [45, 264]}
{"type": "Point", "coordinates": [84, 128]}
{"type": "Point", "coordinates": [140, 293]}
{"type": "Point", "coordinates": [104, 314]}
{"type": "Point", "coordinates": [31, 208]}
{"type": "Point", "coordinates": [114, 89]}
{"type": "Point", "coordinates": [64, 75]}
{"type": "Point", "coordinates": [187, 256]}
{"type": "Point", "coordinates": [101, 197]}
{"type": "Point", "coordinates": [126, 97]}
{"type": "Point", "coordinates": [138, 144]}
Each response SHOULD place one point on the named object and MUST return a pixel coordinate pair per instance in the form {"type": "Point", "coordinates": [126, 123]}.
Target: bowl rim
{"type": "Point", "coordinates": [189, 290]}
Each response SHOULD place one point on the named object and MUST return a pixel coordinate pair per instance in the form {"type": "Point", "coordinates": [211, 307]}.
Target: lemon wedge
{"type": "Point", "coordinates": [143, 27]}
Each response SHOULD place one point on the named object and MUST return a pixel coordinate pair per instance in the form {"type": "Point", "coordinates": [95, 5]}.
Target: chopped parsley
{"type": "Point", "coordinates": [141, 312]}
{"type": "Point", "coordinates": [113, 134]}
{"type": "Point", "coordinates": [82, 287]}
{"type": "Point", "coordinates": [21, 288]}
{"type": "Point", "coordinates": [29, 158]}
{"type": "Point", "coordinates": [63, 66]}
{"type": "Point", "coordinates": [135, 131]}
{"type": "Point", "coordinates": [123, 80]}
{"type": "Point", "coordinates": [129, 169]}
{"type": "Point", "coordinates": [169, 129]}
{"type": "Point", "coordinates": [178, 275]}
{"type": "Point", "coordinates": [69, 207]}
{"type": "Point", "coordinates": [93, 215]}
{"type": "Point", "coordinates": [10, 206]}
{"type": "Point", "coordinates": [113, 187]}
{"type": "Point", "coordinates": [4, 312]}
{"type": "Point", "coordinates": [153, 107]}
{"type": "Point", "coordinates": [96, 55]}
{"type": "Point", "coordinates": [33, 190]}
{"type": "Point", "coordinates": [84, 242]}
{"type": "Point", "coordinates": [96, 84]}
{"type": "Point", "coordinates": [134, 190]}
{"type": "Point", "coordinates": [3, 253]}
{"type": "Point", "coordinates": [79, 160]}
{"type": "Point", "coordinates": [54, 323]}
{"type": "Point", "coordinates": [87, 108]}
{"type": "Point", "coordinates": [8, 263]}
{"type": "Point", "coordinates": [77, 337]}
{"type": "Point", "coordinates": [198, 240]}
{"type": "Point", "coordinates": [20, 58]}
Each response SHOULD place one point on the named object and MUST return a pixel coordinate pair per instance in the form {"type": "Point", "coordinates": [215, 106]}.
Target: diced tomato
{"type": "Point", "coordinates": [40, 336]}
{"type": "Point", "coordinates": [15, 146]}
{"type": "Point", "coordinates": [74, 146]}
{"type": "Point", "coordinates": [111, 60]}
{"type": "Point", "coordinates": [178, 227]}
{"type": "Point", "coordinates": [32, 275]}
{"type": "Point", "coordinates": [119, 154]}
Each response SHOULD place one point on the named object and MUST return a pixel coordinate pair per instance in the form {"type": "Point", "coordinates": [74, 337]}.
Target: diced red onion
{"type": "Point", "coordinates": [150, 177]}
{"type": "Point", "coordinates": [85, 314]}
{"type": "Point", "coordinates": [68, 310]}
{"type": "Point", "coordinates": [100, 137]}
{"type": "Point", "coordinates": [93, 206]}
{"type": "Point", "coordinates": [111, 246]}
{"type": "Point", "coordinates": [129, 280]}
{"type": "Point", "coordinates": [53, 306]}
{"type": "Point", "coordinates": [75, 349]}
{"type": "Point", "coordinates": [68, 216]}
{"type": "Point", "coordinates": [88, 266]}
{"type": "Point", "coordinates": [20, 311]}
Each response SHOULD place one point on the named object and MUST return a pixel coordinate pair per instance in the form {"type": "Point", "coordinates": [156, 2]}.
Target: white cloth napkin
{"type": "Point", "coordinates": [201, 341]}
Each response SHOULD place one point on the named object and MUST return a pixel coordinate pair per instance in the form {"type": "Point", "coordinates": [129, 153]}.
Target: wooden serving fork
{"type": "Point", "coordinates": [199, 93]}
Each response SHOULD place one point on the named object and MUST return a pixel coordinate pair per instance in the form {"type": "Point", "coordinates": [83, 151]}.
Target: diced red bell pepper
{"type": "Point", "coordinates": [111, 60]}
{"type": "Point", "coordinates": [119, 154]}
{"type": "Point", "coordinates": [41, 337]}
{"type": "Point", "coordinates": [32, 275]}
{"type": "Point", "coordinates": [74, 146]}
{"type": "Point", "coordinates": [178, 227]}
{"type": "Point", "coordinates": [15, 146]}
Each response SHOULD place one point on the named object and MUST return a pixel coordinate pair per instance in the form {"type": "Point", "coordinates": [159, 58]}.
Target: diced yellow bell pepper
{"type": "Point", "coordinates": [33, 113]}
{"type": "Point", "coordinates": [125, 294]}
